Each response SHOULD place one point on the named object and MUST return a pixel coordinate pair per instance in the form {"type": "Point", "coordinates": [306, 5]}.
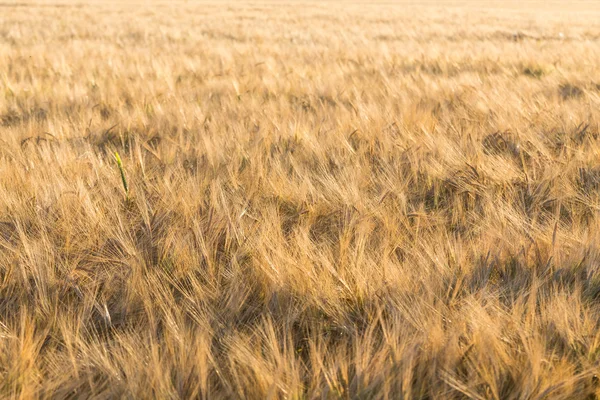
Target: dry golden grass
{"type": "Point", "coordinates": [326, 200]}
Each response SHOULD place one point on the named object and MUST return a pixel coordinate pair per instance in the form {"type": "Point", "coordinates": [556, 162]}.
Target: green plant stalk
{"type": "Point", "coordinates": [122, 170]}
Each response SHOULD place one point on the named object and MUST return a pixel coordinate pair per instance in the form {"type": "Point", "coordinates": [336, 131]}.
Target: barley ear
{"type": "Point", "coordinates": [122, 170]}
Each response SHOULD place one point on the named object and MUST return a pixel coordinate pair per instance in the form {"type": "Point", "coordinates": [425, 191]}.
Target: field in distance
{"type": "Point", "coordinates": [318, 200]}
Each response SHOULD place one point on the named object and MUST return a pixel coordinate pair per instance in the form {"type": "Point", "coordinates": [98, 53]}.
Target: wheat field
{"type": "Point", "coordinates": [324, 200]}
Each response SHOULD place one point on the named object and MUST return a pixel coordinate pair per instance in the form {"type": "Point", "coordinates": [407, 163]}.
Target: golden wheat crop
{"type": "Point", "coordinates": [324, 200]}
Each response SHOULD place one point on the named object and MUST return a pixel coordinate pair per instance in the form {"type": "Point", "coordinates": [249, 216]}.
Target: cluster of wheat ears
{"type": "Point", "coordinates": [300, 200]}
